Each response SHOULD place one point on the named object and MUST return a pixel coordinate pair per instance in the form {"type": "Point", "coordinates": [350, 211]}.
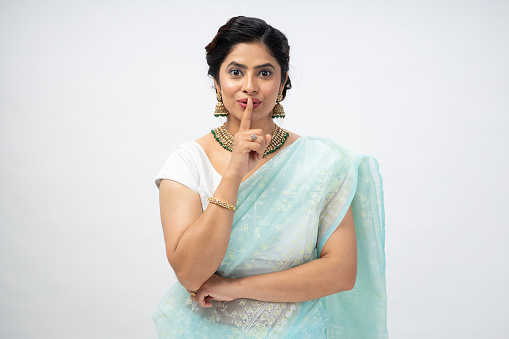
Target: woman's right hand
{"type": "Point", "coordinates": [247, 152]}
{"type": "Point", "coordinates": [196, 239]}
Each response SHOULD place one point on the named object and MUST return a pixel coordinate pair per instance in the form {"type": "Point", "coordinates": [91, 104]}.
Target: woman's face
{"type": "Point", "coordinates": [249, 71]}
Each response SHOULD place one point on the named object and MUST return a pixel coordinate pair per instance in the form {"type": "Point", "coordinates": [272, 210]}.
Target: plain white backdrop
{"type": "Point", "coordinates": [94, 95]}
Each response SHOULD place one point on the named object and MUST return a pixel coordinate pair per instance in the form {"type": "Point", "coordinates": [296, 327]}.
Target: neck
{"type": "Point", "coordinates": [266, 125]}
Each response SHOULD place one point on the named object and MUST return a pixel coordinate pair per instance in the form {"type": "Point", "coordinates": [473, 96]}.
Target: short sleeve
{"type": "Point", "coordinates": [180, 167]}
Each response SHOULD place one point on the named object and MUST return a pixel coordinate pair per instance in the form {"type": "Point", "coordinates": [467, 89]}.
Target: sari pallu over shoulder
{"type": "Point", "coordinates": [361, 312]}
{"type": "Point", "coordinates": [286, 211]}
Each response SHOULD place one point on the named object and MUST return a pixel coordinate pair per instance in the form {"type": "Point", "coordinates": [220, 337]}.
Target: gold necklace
{"type": "Point", "coordinates": [225, 139]}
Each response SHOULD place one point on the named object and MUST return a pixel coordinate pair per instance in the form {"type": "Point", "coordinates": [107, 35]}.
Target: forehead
{"type": "Point", "coordinates": [251, 55]}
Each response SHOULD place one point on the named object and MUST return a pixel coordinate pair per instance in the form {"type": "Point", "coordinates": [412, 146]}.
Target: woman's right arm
{"type": "Point", "coordinates": [196, 241]}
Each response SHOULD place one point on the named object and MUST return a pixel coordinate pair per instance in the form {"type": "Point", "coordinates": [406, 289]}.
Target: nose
{"type": "Point", "coordinates": [249, 86]}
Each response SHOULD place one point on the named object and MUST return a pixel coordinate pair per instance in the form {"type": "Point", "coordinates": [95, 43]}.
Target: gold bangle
{"type": "Point", "coordinates": [222, 204]}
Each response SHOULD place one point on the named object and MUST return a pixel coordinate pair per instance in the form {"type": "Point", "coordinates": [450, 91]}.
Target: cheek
{"type": "Point", "coordinates": [272, 89]}
{"type": "Point", "coordinates": [228, 88]}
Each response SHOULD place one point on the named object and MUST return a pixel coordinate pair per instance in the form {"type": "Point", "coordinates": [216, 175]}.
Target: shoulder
{"type": "Point", "coordinates": [182, 164]}
{"type": "Point", "coordinates": [328, 148]}
{"type": "Point", "coordinates": [189, 151]}
{"type": "Point", "coordinates": [337, 157]}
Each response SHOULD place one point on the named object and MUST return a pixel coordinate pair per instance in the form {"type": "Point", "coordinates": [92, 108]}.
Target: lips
{"type": "Point", "coordinates": [243, 102]}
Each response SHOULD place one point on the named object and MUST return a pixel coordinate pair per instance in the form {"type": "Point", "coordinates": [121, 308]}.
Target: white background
{"type": "Point", "coordinates": [94, 95]}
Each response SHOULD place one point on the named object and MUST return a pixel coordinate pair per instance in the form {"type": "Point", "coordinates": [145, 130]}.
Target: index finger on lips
{"type": "Point", "coordinates": [245, 123]}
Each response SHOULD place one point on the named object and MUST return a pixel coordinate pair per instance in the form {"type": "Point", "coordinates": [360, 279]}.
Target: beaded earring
{"type": "Point", "coordinates": [278, 110]}
{"type": "Point", "coordinates": [220, 109]}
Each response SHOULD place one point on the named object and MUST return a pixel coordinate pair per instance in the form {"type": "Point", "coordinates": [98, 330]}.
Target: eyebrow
{"type": "Point", "coordinates": [268, 64]}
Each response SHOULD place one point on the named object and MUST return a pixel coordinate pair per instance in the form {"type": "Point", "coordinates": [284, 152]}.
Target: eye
{"type": "Point", "coordinates": [235, 72]}
{"type": "Point", "coordinates": [265, 73]}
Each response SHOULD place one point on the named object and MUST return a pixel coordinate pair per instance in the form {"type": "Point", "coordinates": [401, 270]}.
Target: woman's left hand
{"type": "Point", "coordinates": [215, 288]}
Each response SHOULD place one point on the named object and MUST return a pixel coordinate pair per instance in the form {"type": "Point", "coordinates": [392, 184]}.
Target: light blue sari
{"type": "Point", "coordinates": [286, 211]}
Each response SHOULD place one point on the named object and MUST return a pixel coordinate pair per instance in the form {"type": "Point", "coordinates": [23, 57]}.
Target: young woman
{"type": "Point", "coordinates": [271, 235]}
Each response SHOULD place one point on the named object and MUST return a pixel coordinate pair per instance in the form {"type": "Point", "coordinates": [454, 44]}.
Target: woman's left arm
{"type": "Point", "coordinates": [333, 272]}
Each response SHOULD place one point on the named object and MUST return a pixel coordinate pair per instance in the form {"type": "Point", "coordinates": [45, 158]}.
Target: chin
{"type": "Point", "coordinates": [258, 117]}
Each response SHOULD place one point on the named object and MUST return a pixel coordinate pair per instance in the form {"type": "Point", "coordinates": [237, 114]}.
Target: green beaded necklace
{"type": "Point", "coordinates": [225, 139]}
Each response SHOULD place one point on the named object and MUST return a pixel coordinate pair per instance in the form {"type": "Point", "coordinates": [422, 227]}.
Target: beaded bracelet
{"type": "Point", "coordinates": [222, 204]}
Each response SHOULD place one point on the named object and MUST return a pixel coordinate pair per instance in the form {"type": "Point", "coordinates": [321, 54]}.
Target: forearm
{"type": "Point", "coordinates": [313, 280]}
{"type": "Point", "coordinates": [203, 245]}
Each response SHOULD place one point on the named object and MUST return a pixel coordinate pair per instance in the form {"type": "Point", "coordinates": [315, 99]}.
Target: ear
{"type": "Point", "coordinates": [216, 84]}
{"type": "Point", "coordinates": [283, 84]}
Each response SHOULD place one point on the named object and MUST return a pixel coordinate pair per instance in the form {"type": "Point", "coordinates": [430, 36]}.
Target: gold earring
{"type": "Point", "coordinates": [220, 111]}
{"type": "Point", "coordinates": [278, 110]}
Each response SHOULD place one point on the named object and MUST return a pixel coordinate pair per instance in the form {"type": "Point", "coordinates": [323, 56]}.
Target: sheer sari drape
{"type": "Point", "coordinates": [286, 211]}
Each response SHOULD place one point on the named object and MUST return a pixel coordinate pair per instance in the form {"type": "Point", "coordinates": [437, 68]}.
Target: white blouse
{"type": "Point", "coordinates": [190, 166]}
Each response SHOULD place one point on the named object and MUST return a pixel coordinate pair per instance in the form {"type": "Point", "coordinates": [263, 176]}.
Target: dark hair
{"type": "Point", "coordinates": [243, 29]}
